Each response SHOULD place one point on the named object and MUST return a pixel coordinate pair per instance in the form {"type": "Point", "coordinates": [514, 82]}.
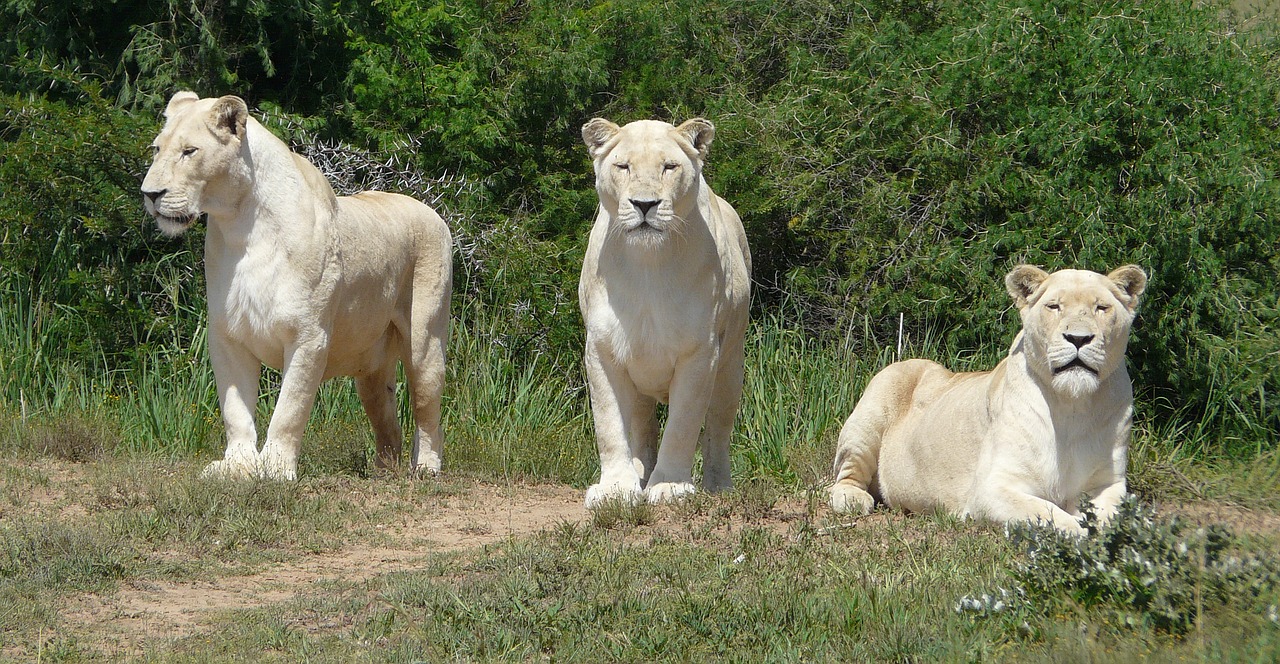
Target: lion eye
{"type": "Point", "coordinates": [670, 167]}
{"type": "Point", "coordinates": [623, 166]}
{"type": "Point", "coordinates": [1103, 308]}
{"type": "Point", "coordinates": [1052, 306]}
{"type": "Point", "coordinates": [187, 152]}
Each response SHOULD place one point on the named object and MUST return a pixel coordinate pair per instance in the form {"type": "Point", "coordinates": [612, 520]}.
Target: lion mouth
{"type": "Point", "coordinates": [1075, 364]}
{"type": "Point", "coordinates": [173, 226]}
{"type": "Point", "coordinates": [644, 227]}
{"type": "Point", "coordinates": [183, 220]}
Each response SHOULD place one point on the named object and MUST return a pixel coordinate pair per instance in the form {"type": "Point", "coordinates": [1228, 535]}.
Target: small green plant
{"type": "Point", "coordinates": [52, 555]}
{"type": "Point", "coordinates": [1141, 569]}
{"type": "Point", "coordinates": [617, 512]}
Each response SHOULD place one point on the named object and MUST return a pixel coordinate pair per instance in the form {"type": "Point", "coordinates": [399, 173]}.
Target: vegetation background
{"type": "Point", "coordinates": [892, 160]}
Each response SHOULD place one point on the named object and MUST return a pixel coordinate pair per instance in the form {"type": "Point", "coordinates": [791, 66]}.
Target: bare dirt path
{"type": "Point", "coordinates": [145, 612]}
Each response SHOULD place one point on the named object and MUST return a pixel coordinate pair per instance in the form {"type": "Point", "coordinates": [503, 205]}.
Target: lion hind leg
{"type": "Point", "coordinates": [884, 402]}
{"type": "Point", "coordinates": [428, 336]}
{"type": "Point", "coordinates": [426, 378]}
{"type": "Point", "coordinates": [856, 463]}
{"type": "Point", "coordinates": [378, 396]}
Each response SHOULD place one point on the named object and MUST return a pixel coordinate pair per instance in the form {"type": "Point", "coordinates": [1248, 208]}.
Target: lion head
{"type": "Point", "coordinates": [648, 174]}
{"type": "Point", "coordinates": [193, 168]}
{"type": "Point", "coordinates": [1075, 323]}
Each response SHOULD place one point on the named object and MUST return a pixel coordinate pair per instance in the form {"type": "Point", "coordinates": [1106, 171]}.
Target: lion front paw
{"type": "Point", "coordinates": [668, 492]}
{"type": "Point", "coordinates": [849, 499]}
{"type": "Point", "coordinates": [624, 491]}
{"type": "Point", "coordinates": [277, 466]}
{"type": "Point", "coordinates": [427, 466]}
{"type": "Point", "coordinates": [232, 468]}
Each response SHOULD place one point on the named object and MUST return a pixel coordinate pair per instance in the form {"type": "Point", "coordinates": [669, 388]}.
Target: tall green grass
{"type": "Point", "coordinates": [510, 411]}
{"type": "Point", "coordinates": [35, 376]}
{"type": "Point", "coordinates": [165, 403]}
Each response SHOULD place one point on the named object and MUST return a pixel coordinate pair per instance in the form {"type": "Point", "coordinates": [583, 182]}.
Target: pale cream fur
{"type": "Point", "coordinates": [664, 293]}
{"type": "Point", "coordinates": [301, 280]}
{"type": "Point", "coordinates": [1022, 442]}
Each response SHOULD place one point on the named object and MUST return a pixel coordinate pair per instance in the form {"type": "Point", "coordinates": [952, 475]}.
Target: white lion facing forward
{"type": "Point", "coordinates": [299, 279]}
{"type": "Point", "coordinates": [664, 293]}
{"type": "Point", "coordinates": [1022, 442]}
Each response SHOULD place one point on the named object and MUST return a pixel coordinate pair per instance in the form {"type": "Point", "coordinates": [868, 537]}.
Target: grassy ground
{"type": "Point", "coordinates": [129, 558]}
{"type": "Point", "coordinates": [112, 548]}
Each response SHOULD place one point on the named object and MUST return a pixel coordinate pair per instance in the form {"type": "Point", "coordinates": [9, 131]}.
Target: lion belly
{"type": "Point", "coordinates": [650, 344]}
{"type": "Point", "coordinates": [268, 321]}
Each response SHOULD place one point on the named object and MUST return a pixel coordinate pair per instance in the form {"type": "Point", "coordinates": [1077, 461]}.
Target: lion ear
{"type": "Point", "coordinates": [179, 100]}
{"type": "Point", "coordinates": [229, 116]}
{"type": "Point", "coordinates": [597, 133]}
{"type": "Point", "coordinates": [699, 133]}
{"type": "Point", "coordinates": [1132, 280]}
{"type": "Point", "coordinates": [1022, 283]}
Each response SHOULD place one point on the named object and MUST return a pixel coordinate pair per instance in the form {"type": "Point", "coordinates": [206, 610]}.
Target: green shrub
{"type": "Point", "coordinates": [928, 150]}
{"type": "Point", "coordinates": [75, 237]}
{"type": "Point", "coordinates": [1143, 569]}
{"type": "Point", "coordinates": [892, 157]}
{"type": "Point", "coordinates": [888, 157]}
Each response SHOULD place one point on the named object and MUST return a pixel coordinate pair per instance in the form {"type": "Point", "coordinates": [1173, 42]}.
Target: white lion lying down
{"type": "Point", "coordinates": [301, 280]}
{"type": "Point", "coordinates": [1022, 442]}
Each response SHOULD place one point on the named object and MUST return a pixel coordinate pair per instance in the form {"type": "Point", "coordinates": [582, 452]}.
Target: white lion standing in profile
{"type": "Point", "coordinates": [302, 280]}
{"type": "Point", "coordinates": [1022, 442]}
{"type": "Point", "coordinates": [664, 293]}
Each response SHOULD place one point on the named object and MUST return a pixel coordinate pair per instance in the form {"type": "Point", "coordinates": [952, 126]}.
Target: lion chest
{"type": "Point", "coordinates": [256, 300]}
{"type": "Point", "coordinates": [652, 343]}
{"type": "Point", "coordinates": [1056, 448]}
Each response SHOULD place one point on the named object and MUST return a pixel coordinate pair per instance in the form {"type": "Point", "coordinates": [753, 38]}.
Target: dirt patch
{"type": "Point", "coordinates": [40, 487]}
{"type": "Point", "coordinates": [1232, 517]}
{"type": "Point", "coordinates": [149, 613]}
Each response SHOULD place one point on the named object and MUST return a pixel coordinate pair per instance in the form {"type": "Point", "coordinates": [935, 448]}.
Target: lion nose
{"type": "Point", "coordinates": [154, 195]}
{"type": "Point", "coordinates": [643, 206]}
{"type": "Point", "coordinates": [1078, 340]}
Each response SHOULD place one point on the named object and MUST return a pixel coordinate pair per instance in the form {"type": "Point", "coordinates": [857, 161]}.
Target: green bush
{"type": "Point", "coordinates": [895, 157]}
{"type": "Point", "coordinates": [74, 236]}
{"type": "Point", "coordinates": [890, 157]}
{"type": "Point", "coordinates": [1146, 570]}
{"type": "Point", "coordinates": [1065, 134]}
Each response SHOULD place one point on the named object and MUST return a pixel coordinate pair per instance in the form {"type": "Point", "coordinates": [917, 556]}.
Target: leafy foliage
{"type": "Point", "coordinates": [889, 157]}
{"type": "Point", "coordinates": [1146, 570]}
{"type": "Point", "coordinates": [74, 236]}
